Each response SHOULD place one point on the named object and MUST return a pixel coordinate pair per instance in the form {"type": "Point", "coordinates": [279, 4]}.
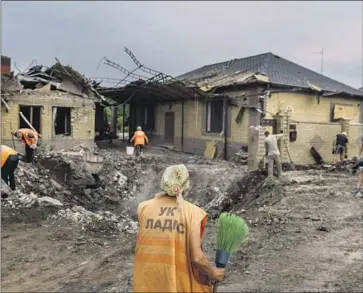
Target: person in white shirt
{"type": "Point", "coordinates": [272, 153]}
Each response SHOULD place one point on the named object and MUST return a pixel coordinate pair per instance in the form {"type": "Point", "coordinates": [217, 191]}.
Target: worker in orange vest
{"type": "Point", "coordinates": [30, 139]}
{"type": "Point", "coordinates": [168, 254]}
{"type": "Point", "coordinates": [139, 139]}
{"type": "Point", "coordinates": [9, 162]}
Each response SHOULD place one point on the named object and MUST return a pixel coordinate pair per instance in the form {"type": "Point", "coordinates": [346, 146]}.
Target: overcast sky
{"type": "Point", "coordinates": [176, 37]}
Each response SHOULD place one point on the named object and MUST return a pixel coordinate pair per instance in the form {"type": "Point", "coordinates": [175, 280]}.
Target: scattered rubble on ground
{"type": "Point", "coordinates": [290, 219]}
{"type": "Point", "coordinates": [103, 221]}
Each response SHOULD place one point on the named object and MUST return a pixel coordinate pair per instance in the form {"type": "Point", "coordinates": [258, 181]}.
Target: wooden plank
{"type": "Point", "coordinates": [210, 149]}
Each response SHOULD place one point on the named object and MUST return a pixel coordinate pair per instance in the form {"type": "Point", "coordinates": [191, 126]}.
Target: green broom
{"type": "Point", "coordinates": [231, 231]}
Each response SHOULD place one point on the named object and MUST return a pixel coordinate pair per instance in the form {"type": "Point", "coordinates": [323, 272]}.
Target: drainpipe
{"type": "Point", "coordinates": [182, 127]}
{"type": "Point", "coordinates": [225, 119]}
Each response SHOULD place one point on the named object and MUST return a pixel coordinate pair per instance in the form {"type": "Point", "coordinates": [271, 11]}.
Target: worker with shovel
{"type": "Point", "coordinates": [9, 162]}
{"type": "Point", "coordinates": [30, 139]}
{"type": "Point", "coordinates": [168, 255]}
{"type": "Point", "coordinates": [272, 153]}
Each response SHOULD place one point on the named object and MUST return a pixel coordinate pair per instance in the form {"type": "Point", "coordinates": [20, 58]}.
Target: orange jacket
{"type": "Point", "coordinates": [5, 153]}
{"type": "Point", "coordinates": [162, 255]}
{"type": "Point", "coordinates": [139, 138]}
{"type": "Point", "coordinates": [27, 140]}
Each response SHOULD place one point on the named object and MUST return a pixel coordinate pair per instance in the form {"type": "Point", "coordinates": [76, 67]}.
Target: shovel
{"type": "Point", "coordinates": [288, 153]}
{"type": "Point", "coordinates": [261, 164]}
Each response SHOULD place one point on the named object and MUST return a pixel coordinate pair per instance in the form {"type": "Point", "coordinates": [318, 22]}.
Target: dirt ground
{"type": "Point", "coordinates": [305, 235]}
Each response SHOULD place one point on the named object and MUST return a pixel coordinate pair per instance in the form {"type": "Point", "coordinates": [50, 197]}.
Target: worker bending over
{"type": "Point", "coordinates": [139, 139]}
{"type": "Point", "coordinates": [30, 139]}
{"type": "Point", "coordinates": [168, 255]}
{"type": "Point", "coordinates": [9, 162]}
{"type": "Point", "coordinates": [340, 146]}
{"type": "Point", "coordinates": [272, 153]}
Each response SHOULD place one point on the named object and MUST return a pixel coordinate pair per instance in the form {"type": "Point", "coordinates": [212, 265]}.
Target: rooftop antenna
{"type": "Point", "coordinates": [322, 59]}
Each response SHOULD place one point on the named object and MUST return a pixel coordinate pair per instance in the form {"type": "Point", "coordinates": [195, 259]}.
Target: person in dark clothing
{"type": "Point", "coordinates": [340, 146]}
{"type": "Point", "coordinates": [9, 162]}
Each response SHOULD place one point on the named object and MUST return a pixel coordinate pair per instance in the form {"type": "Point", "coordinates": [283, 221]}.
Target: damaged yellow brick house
{"type": "Point", "coordinates": [221, 102]}
{"type": "Point", "coordinates": [58, 102]}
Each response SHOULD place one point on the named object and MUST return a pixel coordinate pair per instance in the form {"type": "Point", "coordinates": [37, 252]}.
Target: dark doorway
{"type": "Point", "coordinates": [62, 120]}
{"type": "Point", "coordinates": [169, 127]}
{"type": "Point", "coordinates": [32, 114]}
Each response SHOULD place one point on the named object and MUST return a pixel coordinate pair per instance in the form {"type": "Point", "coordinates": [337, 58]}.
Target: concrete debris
{"type": "Point", "coordinates": [241, 157]}
{"type": "Point", "coordinates": [48, 201]}
{"type": "Point", "coordinates": [98, 221]}
{"type": "Point", "coordinates": [19, 199]}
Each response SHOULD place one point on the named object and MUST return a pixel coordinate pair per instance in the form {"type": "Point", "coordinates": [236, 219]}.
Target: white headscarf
{"type": "Point", "coordinates": [175, 182]}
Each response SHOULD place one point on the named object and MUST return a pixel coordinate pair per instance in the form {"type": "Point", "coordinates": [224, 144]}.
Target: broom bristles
{"type": "Point", "coordinates": [231, 231]}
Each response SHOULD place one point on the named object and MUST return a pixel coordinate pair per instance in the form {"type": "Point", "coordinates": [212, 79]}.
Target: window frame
{"type": "Point", "coordinates": [31, 116]}
{"type": "Point", "coordinates": [210, 125]}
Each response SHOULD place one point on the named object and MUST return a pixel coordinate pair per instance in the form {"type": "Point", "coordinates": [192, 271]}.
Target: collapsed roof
{"type": "Point", "coordinates": [158, 87]}
{"type": "Point", "coordinates": [57, 77]}
{"type": "Point", "coordinates": [264, 68]}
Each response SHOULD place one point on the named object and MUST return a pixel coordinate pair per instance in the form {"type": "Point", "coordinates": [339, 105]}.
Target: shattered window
{"type": "Point", "coordinates": [32, 114]}
{"type": "Point", "coordinates": [215, 116]}
{"type": "Point", "coordinates": [62, 121]}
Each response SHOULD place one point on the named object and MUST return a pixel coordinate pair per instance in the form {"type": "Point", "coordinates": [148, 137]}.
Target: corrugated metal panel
{"type": "Point", "coordinates": [278, 70]}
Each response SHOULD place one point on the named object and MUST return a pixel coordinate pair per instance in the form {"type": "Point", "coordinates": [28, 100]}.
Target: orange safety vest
{"type": "Point", "coordinates": [139, 137]}
{"type": "Point", "coordinates": [25, 138]}
{"type": "Point", "coordinates": [162, 255]}
{"type": "Point", "coordinates": [5, 153]}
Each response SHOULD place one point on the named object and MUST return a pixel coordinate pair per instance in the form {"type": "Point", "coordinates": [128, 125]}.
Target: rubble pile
{"type": "Point", "coordinates": [103, 221]}
{"type": "Point", "coordinates": [241, 157]}
{"type": "Point", "coordinates": [35, 184]}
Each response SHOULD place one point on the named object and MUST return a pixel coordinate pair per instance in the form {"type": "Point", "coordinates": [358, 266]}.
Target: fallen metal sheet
{"type": "Point", "coordinates": [231, 79]}
{"type": "Point", "coordinates": [314, 87]}
{"type": "Point", "coordinates": [262, 78]}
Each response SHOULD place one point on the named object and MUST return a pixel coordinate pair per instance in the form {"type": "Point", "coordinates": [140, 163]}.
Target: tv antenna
{"type": "Point", "coordinates": [322, 59]}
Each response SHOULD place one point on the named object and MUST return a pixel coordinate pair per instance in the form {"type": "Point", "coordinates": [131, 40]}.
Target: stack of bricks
{"type": "Point", "coordinates": [261, 143]}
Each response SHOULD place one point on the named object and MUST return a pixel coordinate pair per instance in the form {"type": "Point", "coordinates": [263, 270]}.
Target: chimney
{"type": "Point", "coordinates": [5, 65]}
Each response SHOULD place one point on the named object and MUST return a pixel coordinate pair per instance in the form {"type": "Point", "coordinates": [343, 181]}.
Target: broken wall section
{"type": "Point", "coordinates": [72, 115]}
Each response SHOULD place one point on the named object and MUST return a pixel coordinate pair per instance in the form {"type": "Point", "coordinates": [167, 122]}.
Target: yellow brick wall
{"type": "Point", "coordinates": [355, 133]}
{"type": "Point", "coordinates": [306, 107]}
{"type": "Point", "coordinates": [195, 124]}
{"type": "Point", "coordinates": [82, 114]}
{"type": "Point", "coordinates": [306, 132]}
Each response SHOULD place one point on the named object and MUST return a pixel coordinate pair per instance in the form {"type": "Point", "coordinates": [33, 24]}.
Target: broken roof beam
{"type": "Point", "coordinates": [5, 104]}
{"type": "Point", "coordinates": [155, 72]}
{"type": "Point", "coordinates": [124, 70]}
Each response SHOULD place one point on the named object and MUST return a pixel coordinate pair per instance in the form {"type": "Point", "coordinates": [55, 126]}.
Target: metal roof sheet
{"type": "Point", "coordinates": [278, 70]}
